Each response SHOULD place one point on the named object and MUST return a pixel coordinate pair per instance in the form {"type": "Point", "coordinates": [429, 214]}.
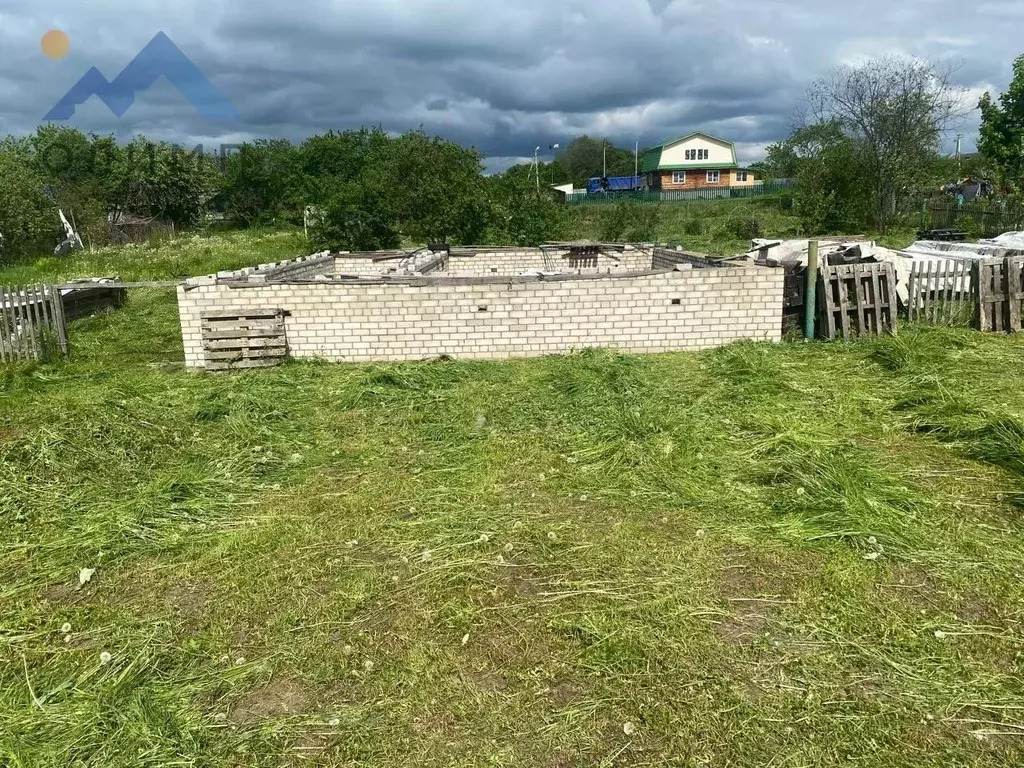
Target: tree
{"type": "Point", "coordinates": [262, 182]}
{"type": "Point", "coordinates": [518, 214]}
{"type": "Point", "coordinates": [584, 158]}
{"type": "Point", "coordinates": [894, 110]}
{"type": "Point", "coordinates": [1002, 130]}
{"type": "Point", "coordinates": [28, 218]}
{"type": "Point", "coordinates": [438, 187]}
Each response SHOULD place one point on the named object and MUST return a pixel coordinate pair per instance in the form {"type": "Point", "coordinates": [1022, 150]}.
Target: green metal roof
{"type": "Point", "coordinates": [652, 156]}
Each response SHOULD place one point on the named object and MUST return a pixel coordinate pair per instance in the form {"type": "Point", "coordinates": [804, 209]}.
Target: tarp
{"type": "Point", "coordinates": [1007, 240]}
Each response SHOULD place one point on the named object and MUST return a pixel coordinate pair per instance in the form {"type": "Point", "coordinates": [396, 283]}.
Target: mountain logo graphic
{"type": "Point", "coordinates": [160, 58]}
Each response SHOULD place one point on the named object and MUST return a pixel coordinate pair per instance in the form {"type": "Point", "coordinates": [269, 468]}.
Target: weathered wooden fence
{"type": "Point", "coordinates": [31, 323]}
{"type": "Point", "coordinates": [941, 291]}
{"type": "Point", "coordinates": [987, 292]}
{"type": "Point", "coordinates": [857, 300]}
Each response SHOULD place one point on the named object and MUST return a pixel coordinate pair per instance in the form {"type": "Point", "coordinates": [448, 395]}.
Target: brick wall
{"type": "Point", "coordinates": [695, 180]}
{"type": "Point", "coordinates": [482, 318]}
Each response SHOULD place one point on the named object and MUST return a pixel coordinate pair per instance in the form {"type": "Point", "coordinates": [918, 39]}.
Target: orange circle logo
{"type": "Point", "coordinates": [55, 44]}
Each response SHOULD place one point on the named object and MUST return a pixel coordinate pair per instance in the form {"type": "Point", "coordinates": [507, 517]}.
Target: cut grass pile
{"type": "Point", "coordinates": [802, 554]}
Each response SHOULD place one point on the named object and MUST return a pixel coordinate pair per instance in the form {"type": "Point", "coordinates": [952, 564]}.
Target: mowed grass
{"type": "Point", "coordinates": [800, 554]}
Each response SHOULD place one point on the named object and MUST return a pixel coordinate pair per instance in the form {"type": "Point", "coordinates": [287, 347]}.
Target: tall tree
{"type": "Point", "coordinates": [1002, 129]}
{"type": "Point", "coordinates": [895, 111]}
{"type": "Point", "coordinates": [585, 157]}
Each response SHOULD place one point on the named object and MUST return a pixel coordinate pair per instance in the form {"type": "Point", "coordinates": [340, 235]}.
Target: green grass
{"type": "Point", "coordinates": [465, 564]}
{"type": "Point", "coordinates": [716, 227]}
{"type": "Point", "coordinates": [184, 256]}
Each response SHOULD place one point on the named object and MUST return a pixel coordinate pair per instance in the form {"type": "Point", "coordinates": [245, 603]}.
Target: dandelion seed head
{"type": "Point", "coordinates": [65, 627]}
{"type": "Point", "coordinates": [105, 657]}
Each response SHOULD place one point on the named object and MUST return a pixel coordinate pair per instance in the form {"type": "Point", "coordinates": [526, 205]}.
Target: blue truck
{"type": "Point", "coordinates": [604, 184]}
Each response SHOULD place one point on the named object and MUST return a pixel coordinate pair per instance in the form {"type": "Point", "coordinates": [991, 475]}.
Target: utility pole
{"type": "Point", "coordinates": [636, 159]}
{"type": "Point", "coordinates": [959, 139]}
{"type": "Point", "coordinates": [536, 167]}
{"type": "Point", "coordinates": [604, 149]}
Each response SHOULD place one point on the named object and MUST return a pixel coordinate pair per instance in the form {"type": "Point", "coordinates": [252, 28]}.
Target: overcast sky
{"type": "Point", "coordinates": [503, 75]}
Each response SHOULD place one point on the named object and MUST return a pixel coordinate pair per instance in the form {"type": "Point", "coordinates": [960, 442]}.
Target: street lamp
{"type": "Point", "coordinates": [536, 167]}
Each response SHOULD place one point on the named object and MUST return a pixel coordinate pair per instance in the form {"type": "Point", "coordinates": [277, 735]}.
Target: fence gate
{"type": "Point", "coordinates": [31, 323]}
{"type": "Point", "coordinates": [252, 338]}
{"type": "Point", "coordinates": [857, 300]}
{"type": "Point", "coordinates": [941, 291]}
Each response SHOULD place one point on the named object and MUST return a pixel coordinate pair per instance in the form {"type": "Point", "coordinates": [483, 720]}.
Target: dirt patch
{"type": "Point", "coordinates": [188, 601]}
{"type": "Point", "coordinates": [975, 609]}
{"type": "Point", "coordinates": [564, 692]}
{"type": "Point", "coordinates": [281, 698]}
{"type": "Point", "coordinates": [485, 681]}
{"type": "Point", "coordinates": [65, 593]}
{"type": "Point", "coordinates": [752, 588]}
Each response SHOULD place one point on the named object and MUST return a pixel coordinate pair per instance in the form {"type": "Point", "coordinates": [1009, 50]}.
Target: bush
{"type": "Point", "coordinates": [629, 222]}
{"type": "Point", "coordinates": [746, 226]}
{"type": "Point", "coordinates": [695, 227]}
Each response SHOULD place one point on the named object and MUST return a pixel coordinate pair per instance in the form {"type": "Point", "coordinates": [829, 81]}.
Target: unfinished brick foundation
{"type": "Point", "coordinates": [486, 303]}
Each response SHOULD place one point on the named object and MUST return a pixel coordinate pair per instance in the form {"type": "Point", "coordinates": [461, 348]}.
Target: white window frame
{"type": "Point", "coordinates": [741, 176]}
{"type": "Point", "coordinates": [676, 175]}
{"type": "Point", "coordinates": [717, 179]}
{"type": "Point", "coordinates": [702, 154]}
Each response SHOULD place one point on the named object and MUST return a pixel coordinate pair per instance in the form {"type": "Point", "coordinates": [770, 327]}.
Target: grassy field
{"type": "Point", "coordinates": [716, 227]}
{"type": "Point", "coordinates": [789, 555]}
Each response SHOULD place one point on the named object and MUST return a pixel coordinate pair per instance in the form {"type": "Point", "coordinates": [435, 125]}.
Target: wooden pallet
{"type": "Point", "coordinates": [31, 323]}
{"type": "Point", "coordinates": [1000, 291]}
{"type": "Point", "coordinates": [857, 300]}
{"type": "Point", "coordinates": [241, 340]}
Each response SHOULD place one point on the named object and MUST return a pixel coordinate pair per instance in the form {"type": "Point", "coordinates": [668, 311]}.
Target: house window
{"type": "Point", "coordinates": [689, 154]}
{"type": "Point", "coordinates": [702, 154]}
{"type": "Point", "coordinates": [713, 177]}
{"type": "Point", "coordinates": [741, 175]}
{"type": "Point", "coordinates": [678, 177]}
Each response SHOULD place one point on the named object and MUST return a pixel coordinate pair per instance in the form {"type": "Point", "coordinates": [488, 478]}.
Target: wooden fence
{"type": "Point", "coordinates": [857, 300]}
{"type": "Point", "coordinates": [32, 323]}
{"type": "Point", "coordinates": [987, 292]}
{"type": "Point", "coordinates": [941, 292]}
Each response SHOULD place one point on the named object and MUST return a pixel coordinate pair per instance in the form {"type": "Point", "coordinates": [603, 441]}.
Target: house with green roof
{"type": "Point", "coordinates": [697, 160]}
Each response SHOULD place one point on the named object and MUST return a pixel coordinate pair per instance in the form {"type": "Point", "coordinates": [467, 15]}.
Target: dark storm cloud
{"type": "Point", "coordinates": [505, 77]}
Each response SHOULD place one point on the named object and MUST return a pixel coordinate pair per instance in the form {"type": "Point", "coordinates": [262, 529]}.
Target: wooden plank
{"type": "Point", "coordinates": [1012, 288]}
{"type": "Point", "coordinates": [28, 322]}
{"type": "Point", "coordinates": [979, 278]}
{"type": "Point", "coordinates": [245, 354]}
{"type": "Point", "coordinates": [890, 301]}
{"type": "Point", "coordinates": [57, 307]}
{"type": "Point", "coordinates": [241, 314]}
{"type": "Point", "coordinates": [879, 308]}
{"type": "Point", "coordinates": [44, 311]}
{"type": "Point", "coordinates": [241, 322]}
{"type": "Point", "coordinates": [6, 348]}
{"type": "Point", "coordinates": [826, 281]}
{"type": "Point", "coordinates": [257, 334]}
{"type": "Point", "coordinates": [14, 336]}
{"type": "Point", "coordinates": [998, 308]}
{"type": "Point", "coordinates": [844, 303]}
{"type": "Point", "coordinates": [929, 295]}
{"type": "Point", "coordinates": [912, 287]}
{"type": "Point", "coordinates": [37, 316]}
{"type": "Point", "coordinates": [272, 341]}
{"type": "Point", "coordinates": [241, 364]}
{"type": "Point", "coordinates": [256, 326]}
{"type": "Point", "coordinates": [853, 296]}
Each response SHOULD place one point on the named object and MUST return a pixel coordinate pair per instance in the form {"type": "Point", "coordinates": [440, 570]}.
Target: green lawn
{"type": "Point", "coordinates": [788, 555]}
